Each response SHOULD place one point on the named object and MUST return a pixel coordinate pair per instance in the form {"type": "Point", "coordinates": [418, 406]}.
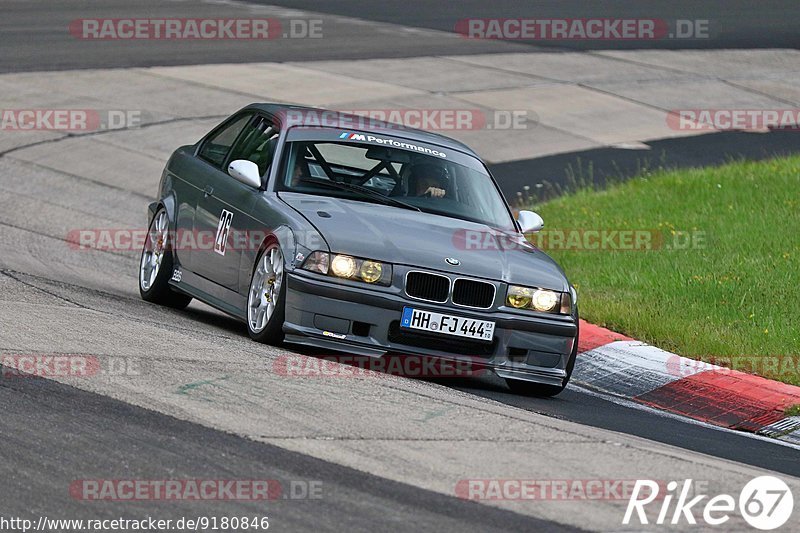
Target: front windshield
{"type": "Point", "coordinates": [408, 179]}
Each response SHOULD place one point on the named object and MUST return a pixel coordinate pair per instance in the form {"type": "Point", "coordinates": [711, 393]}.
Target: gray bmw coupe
{"type": "Point", "coordinates": [368, 240]}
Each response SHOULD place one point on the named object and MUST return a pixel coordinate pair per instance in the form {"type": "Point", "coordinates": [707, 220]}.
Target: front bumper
{"type": "Point", "coordinates": [364, 320]}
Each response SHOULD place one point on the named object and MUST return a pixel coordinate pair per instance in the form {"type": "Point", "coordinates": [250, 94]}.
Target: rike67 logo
{"type": "Point", "coordinates": [765, 503]}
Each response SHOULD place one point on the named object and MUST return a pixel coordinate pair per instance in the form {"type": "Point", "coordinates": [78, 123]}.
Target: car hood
{"type": "Point", "coordinates": [425, 240]}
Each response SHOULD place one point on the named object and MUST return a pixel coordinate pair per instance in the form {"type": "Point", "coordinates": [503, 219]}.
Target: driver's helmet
{"type": "Point", "coordinates": [431, 174]}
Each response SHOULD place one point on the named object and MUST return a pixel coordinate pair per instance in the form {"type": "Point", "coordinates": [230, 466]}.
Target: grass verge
{"type": "Point", "coordinates": [721, 278]}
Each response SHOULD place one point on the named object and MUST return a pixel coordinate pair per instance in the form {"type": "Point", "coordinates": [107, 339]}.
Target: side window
{"type": "Point", "coordinates": [216, 147]}
{"type": "Point", "coordinates": [257, 144]}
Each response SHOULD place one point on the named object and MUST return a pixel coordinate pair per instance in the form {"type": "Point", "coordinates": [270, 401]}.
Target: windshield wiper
{"type": "Point", "coordinates": [364, 191]}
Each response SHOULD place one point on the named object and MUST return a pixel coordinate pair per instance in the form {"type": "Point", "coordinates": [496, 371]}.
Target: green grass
{"type": "Point", "coordinates": [735, 294]}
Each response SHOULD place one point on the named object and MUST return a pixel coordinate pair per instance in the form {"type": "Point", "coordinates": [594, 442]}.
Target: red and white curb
{"type": "Point", "coordinates": [620, 366]}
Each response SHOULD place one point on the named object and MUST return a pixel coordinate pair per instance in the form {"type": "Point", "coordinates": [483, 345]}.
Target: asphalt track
{"type": "Point", "coordinates": [72, 426]}
{"type": "Point", "coordinates": [53, 433]}
{"type": "Point", "coordinates": [562, 172]}
{"type": "Point", "coordinates": [732, 23]}
{"type": "Point", "coordinates": [37, 34]}
{"type": "Point", "coordinates": [37, 31]}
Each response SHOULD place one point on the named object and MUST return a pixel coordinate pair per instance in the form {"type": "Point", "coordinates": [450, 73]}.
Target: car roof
{"type": "Point", "coordinates": [397, 130]}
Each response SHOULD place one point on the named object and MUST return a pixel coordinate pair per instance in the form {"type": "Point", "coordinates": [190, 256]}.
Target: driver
{"type": "Point", "coordinates": [428, 179]}
{"type": "Point", "coordinates": [300, 172]}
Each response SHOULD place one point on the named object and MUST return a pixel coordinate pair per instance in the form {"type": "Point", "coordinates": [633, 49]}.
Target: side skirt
{"type": "Point", "coordinates": [205, 290]}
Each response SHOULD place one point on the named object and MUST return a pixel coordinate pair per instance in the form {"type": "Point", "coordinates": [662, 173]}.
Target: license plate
{"type": "Point", "coordinates": [447, 324]}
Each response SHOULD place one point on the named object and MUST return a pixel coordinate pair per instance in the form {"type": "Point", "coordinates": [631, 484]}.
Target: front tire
{"type": "Point", "coordinates": [539, 390]}
{"type": "Point", "coordinates": [155, 266]}
{"type": "Point", "coordinates": [266, 299]}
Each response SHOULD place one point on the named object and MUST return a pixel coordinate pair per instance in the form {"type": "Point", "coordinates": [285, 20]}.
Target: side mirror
{"type": "Point", "coordinates": [246, 172]}
{"type": "Point", "coordinates": [529, 221]}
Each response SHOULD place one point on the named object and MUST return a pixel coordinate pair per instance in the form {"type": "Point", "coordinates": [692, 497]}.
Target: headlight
{"type": "Point", "coordinates": [566, 303]}
{"type": "Point", "coordinates": [349, 267]}
{"type": "Point", "coordinates": [343, 266]}
{"type": "Point", "coordinates": [543, 300]}
{"type": "Point", "coordinates": [519, 297]}
{"type": "Point", "coordinates": [371, 271]}
{"type": "Point", "coordinates": [317, 262]}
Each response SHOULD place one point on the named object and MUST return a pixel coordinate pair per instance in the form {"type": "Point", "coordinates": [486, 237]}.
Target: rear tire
{"type": "Point", "coordinates": [539, 390]}
{"type": "Point", "coordinates": [266, 298]}
{"type": "Point", "coordinates": [155, 266]}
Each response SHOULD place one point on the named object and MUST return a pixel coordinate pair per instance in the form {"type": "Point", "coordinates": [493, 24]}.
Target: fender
{"type": "Point", "coordinates": [285, 238]}
{"type": "Point", "coordinates": [168, 202]}
{"type": "Point", "coordinates": [167, 191]}
{"type": "Point", "coordinates": [152, 207]}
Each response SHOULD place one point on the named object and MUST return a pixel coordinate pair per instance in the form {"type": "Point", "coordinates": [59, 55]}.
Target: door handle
{"type": "Point", "coordinates": [208, 191]}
